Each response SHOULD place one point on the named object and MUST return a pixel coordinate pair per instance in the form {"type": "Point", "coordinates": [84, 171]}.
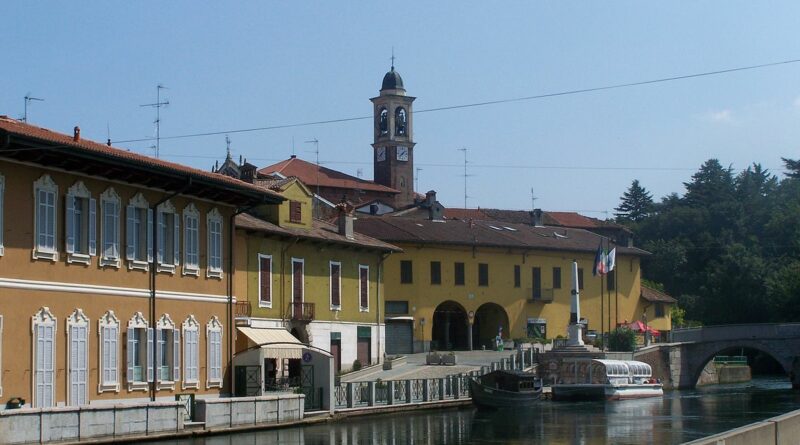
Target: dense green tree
{"type": "Point", "coordinates": [793, 165]}
{"type": "Point", "coordinates": [635, 205]}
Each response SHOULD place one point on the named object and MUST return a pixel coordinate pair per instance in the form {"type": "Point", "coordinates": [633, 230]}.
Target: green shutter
{"type": "Point", "coordinates": [364, 332]}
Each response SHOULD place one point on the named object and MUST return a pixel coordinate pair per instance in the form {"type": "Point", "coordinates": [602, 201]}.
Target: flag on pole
{"type": "Point", "coordinates": [599, 261]}
{"type": "Point", "coordinates": [611, 260]}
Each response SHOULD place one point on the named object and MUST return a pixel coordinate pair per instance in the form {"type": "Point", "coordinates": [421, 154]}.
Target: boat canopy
{"type": "Point", "coordinates": [625, 368]}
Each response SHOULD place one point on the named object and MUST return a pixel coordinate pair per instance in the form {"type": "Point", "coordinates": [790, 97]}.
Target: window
{"type": "Point", "coordinates": [659, 310]}
{"type": "Point", "coordinates": [436, 272]}
{"type": "Point", "coordinates": [2, 193]}
{"type": "Point", "coordinates": [191, 351]}
{"type": "Point", "coordinates": [298, 283]}
{"type": "Point", "coordinates": [139, 233]}
{"type": "Point", "coordinates": [109, 228]}
{"type": "Point", "coordinates": [517, 277]}
{"type": "Point", "coordinates": [363, 280]}
{"type": "Point", "coordinates": [295, 212]}
{"type": "Point", "coordinates": [459, 274]}
{"type": "Point", "coordinates": [580, 279]}
{"type": "Point", "coordinates": [46, 194]}
{"type": "Point", "coordinates": [536, 283]}
{"type": "Point", "coordinates": [191, 240]}
{"type": "Point", "coordinates": [140, 361]}
{"type": "Point", "coordinates": [44, 358]}
{"type": "Point", "coordinates": [108, 328]}
{"type": "Point", "coordinates": [396, 307]}
{"type": "Point", "coordinates": [336, 285]}
{"type": "Point", "coordinates": [556, 278]}
{"type": "Point", "coordinates": [406, 274]}
{"type": "Point", "coordinates": [214, 357]}
{"type": "Point", "coordinates": [168, 353]}
{"type": "Point", "coordinates": [80, 221]}
{"type": "Point", "coordinates": [214, 244]}
{"type": "Point", "coordinates": [264, 280]}
{"type": "Point", "coordinates": [483, 274]}
{"type": "Point", "coordinates": [383, 122]}
{"type": "Point", "coordinates": [169, 235]}
{"type": "Point", "coordinates": [611, 281]}
{"type": "Point", "coordinates": [78, 358]}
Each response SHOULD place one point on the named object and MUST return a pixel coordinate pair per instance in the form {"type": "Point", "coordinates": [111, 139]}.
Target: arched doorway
{"type": "Point", "coordinates": [490, 318]}
{"type": "Point", "coordinates": [450, 328]}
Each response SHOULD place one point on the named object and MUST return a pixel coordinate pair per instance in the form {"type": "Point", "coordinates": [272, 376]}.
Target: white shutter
{"type": "Point", "coordinates": [92, 227]}
{"type": "Point", "coordinates": [48, 366]}
{"type": "Point", "coordinates": [105, 356]}
{"type": "Point", "coordinates": [131, 352]}
{"type": "Point", "coordinates": [176, 355]}
{"type": "Point", "coordinates": [70, 223]}
{"type": "Point", "coordinates": [130, 248]}
{"type": "Point", "coordinates": [149, 354]}
{"type": "Point", "coordinates": [112, 354]}
{"type": "Point", "coordinates": [176, 238]}
{"type": "Point", "coordinates": [160, 236]}
{"type": "Point", "coordinates": [149, 236]}
{"type": "Point", "coordinates": [116, 239]}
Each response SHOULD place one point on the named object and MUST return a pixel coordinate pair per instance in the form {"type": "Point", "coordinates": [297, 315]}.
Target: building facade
{"type": "Point", "coordinates": [114, 272]}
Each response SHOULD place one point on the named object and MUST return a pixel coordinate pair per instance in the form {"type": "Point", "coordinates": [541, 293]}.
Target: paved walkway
{"type": "Point", "coordinates": [415, 367]}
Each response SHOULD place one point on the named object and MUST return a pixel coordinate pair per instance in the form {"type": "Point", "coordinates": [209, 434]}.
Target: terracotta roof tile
{"type": "Point", "coordinates": [655, 296]}
{"type": "Point", "coordinates": [313, 175]}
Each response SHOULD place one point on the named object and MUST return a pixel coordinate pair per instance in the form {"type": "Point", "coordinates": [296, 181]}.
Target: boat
{"type": "Point", "coordinates": [506, 389]}
{"type": "Point", "coordinates": [607, 380]}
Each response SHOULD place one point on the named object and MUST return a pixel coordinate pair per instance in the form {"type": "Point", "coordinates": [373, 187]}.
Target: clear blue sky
{"type": "Point", "coordinates": [235, 65]}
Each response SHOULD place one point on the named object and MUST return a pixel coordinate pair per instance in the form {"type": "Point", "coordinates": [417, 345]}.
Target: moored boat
{"type": "Point", "coordinates": [609, 380]}
{"type": "Point", "coordinates": [506, 389]}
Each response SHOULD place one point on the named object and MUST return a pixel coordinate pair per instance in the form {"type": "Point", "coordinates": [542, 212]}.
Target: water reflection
{"type": "Point", "coordinates": [680, 416]}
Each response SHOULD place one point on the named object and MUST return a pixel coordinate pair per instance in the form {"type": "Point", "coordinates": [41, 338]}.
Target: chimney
{"type": "Point", "coordinates": [345, 219]}
{"type": "Point", "coordinates": [537, 217]}
{"type": "Point", "coordinates": [430, 198]}
{"type": "Point", "coordinates": [76, 136]}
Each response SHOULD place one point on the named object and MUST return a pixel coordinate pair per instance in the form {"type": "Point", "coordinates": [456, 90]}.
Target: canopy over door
{"type": "Point", "coordinates": [275, 343]}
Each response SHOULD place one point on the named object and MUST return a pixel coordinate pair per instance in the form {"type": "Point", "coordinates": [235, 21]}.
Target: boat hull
{"type": "Point", "coordinates": [497, 398]}
{"type": "Point", "coordinates": [606, 392]}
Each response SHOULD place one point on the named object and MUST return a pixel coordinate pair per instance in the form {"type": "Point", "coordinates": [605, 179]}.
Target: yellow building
{"type": "Point", "coordinates": [458, 283]}
{"type": "Point", "coordinates": [321, 281]}
{"type": "Point", "coordinates": [114, 272]}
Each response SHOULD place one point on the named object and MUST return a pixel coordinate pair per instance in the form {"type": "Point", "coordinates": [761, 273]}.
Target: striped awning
{"type": "Point", "coordinates": [276, 343]}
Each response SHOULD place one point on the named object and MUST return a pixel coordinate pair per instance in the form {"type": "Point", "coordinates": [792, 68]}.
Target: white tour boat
{"type": "Point", "coordinates": [606, 380]}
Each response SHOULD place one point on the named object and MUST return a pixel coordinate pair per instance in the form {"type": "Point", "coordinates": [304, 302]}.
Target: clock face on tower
{"type": "Point", "coordinates": [402, 153]}
{"type": "Point", "coordinates": [381, 154]}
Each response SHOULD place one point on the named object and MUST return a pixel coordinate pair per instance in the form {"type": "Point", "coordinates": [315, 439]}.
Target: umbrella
{"type": "Point", "coordinates": [638, 326]}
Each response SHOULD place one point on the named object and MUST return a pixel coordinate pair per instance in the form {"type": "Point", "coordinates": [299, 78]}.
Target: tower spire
{"type": "Point", "coordinates": [393, 58]}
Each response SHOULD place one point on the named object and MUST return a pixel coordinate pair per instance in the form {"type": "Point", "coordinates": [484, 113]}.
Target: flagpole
{"type": "Point", "coordinates": [602, 313]}
{"type": "Point", "coordinates": [608, 252]}
{"type": "Point", "coordinates": [616, 288]}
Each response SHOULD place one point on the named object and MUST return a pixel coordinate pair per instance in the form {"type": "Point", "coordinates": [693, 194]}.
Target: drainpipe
{"type": "Point", "coordinates": [378, 301]}
{"type": "Point", "coordinates": [283, 275]}
{"type": "Point", "coordinates": [153, 281]}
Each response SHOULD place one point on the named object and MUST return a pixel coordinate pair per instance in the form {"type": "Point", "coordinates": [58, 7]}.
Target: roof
{"type": "Point", "coordinates": [320, 231]}
{"type": "Point", "coordinates": [656, 296]}
{"type": "Point", "coordinates": [29, 143]}
{"type": "Point", "coordinates": [392, 81]}
{"type": "Point", "coordinates": [486, 233]}
{"type": "Point", "coordinates": [560, 219]}
{"type": "Point", "coordinates": [313, 175]}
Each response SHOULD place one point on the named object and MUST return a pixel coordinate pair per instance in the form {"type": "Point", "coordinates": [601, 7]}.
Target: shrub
{"type": "Point", "coordinates": [622, 339]}
{"type": "Point", "coordinates": [356, 365]}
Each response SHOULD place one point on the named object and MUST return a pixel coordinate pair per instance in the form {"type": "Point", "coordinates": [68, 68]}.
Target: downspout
{"type": "Point", "coordinates": [283, 276]}
{"type": "Point", "coordinates": [153, 281]}
{"type": "Point", "coordinates": [378, 301]}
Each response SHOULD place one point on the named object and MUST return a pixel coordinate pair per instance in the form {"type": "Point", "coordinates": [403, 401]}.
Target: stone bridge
{"type": "Point", "coordinates": [679, 364]}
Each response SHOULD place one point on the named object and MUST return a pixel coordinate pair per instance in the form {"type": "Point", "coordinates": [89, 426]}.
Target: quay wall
{"type": "Point", "coordinates": [780, 430]}
{"type": "Point", "coordinates": [240, 411]}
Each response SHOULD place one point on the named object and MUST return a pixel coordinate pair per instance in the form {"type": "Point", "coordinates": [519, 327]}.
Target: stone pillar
{"type": "Point", "coordinates": [390, 392]}
{"type": "Point", "coordinates": [441, 389]}
{"type": "Point", "coordinates": [371, 396]}
{"type": "Point", "coordinates": [351, 394]}
{"type": "Point", "coordinates": [426, 390]}
{"type": "Point", "coordinates": [469, 335]}
{"type": "Point", "coordinates": [408, 390]}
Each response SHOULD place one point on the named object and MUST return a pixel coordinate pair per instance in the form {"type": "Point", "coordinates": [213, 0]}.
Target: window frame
{"type": "Point", "coordinates": [43, 318]}
{"type": "Point", "coordinates": [483, 274]}
{"type": "Point", "coordinates": [138, 322]}
{"type": "Point", "coordinates": [172, 342]}
{"type": "Point", "coordinates": [110, 196]}
{"type": "Point", "coordinates": [362, 286]}
{"type": "Point", "coordinates": [137, 205]}
{"type": "Point", "coordinates": [459, 268]}
{"type": "Point", "coordinates": [261, 301]}
{"type": "Point", "coordinates": [213, 327]}
{"type": "Point", "coordinates": [45, 252]}
{"type": "Point", "coordinates": [108, 321]}
{"type": "Point", "coordinates": [406, 272]}
{"type": "Point", "coordinates": [214, 217]}
{"type": "Point", "coordinates": [165, 241]}
{"type": "Point", "coordinates": [77, 320]}
{"type": "Point", "coordinates": [436, 273]}
{"type": "Point", "coordinates": [338, 288]}
{"type": "Point", "coordinates": [80, 225]}
{"type": "Point", "coordinates": [659, 310]}
{"type": "Point", "coordinates": [191, 374]}
{"type": "Point", "coordinates": [191, 240]}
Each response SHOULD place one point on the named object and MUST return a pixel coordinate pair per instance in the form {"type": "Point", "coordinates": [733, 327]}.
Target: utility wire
{"type": "Point", "coordinates": [481, 104]}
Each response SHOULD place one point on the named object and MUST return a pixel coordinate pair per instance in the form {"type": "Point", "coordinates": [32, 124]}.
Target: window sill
{"type": "Point", "coordinates": [45, 255]}
{"type": "Point", "coordinates": [165, 268]}
{"type": "Point", "coordinates": [336, 308]}
{"type": "Point", "coordinates": [190, 385]}
{"type": "Point", "coordinates": [363, 309]}
{"type": "Point", "coordinates": [215, 384]}
{"type": "Point", "coordinates": [109, 262]}
{"type": "Point", "coordinates": [138, 386]}
{"type": "Point", "coordinates": [78, 258]}
{"type": "Point", "coordinates": [264, 305]}
{"type": "Point", "coordinates": [165, 385]}
{"type": "Point", "coordinates": [108, 387]}
{"type": "Point", "coordinates": [191, 270]}
{"type": "Point", "coordinates": [211, 273]}
{"type": "Point", "coordinates": [138, 265]}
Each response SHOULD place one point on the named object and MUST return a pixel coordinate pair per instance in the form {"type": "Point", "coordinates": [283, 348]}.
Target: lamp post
{"type": "Point", "coordinates": [422, 328]}
{"type": "Point", "coordinates": [470, 324]}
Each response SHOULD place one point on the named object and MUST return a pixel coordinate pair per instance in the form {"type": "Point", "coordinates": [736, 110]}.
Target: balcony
{"type": "Point", "coordinates": [242, 309]}
{"type": "Point", "coordinates": [543, 295]}
{"type": "Point", "coordinates": [301, 311]}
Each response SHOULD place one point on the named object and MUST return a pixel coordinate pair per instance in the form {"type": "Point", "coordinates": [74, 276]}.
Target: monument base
{"type": "Point", "coordinates": [575, 335]}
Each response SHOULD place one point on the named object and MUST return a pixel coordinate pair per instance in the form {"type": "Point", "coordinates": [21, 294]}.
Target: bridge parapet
{"type": "Point", "coordinates": [737, 331]}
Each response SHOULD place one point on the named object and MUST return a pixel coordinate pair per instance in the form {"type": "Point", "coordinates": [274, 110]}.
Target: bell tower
{"type": "Point", "coordinates": [394, 138]}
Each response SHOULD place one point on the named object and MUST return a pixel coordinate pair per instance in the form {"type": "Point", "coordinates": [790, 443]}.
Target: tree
{"type": "Point", "coordinates": [793, 165]}
{"type": "Point", "coordinates": [636, 204]}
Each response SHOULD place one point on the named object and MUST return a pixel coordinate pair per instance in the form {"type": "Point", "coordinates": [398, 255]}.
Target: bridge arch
{"type": "Point", "coordinates": [703, 353]}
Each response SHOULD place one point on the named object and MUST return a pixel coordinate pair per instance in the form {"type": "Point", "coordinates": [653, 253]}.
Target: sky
{"type": "Point", "coordinates": [230, 66]}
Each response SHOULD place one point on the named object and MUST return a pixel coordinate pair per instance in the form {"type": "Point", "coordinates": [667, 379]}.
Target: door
{"type": "Point", "coordinates": [399, 337]}
{"type": "Point", "coordinates": [45, 378]}
{"type": "Point", "coordinates": [336, 352]}
{"type": "Point", "coordinates": [78, 365]}
{"type": "Point", "coordinates": [362, 352]}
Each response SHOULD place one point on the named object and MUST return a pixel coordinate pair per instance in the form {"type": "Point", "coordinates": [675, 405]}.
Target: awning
{"type": "Point", "coordinates": [275, 343]}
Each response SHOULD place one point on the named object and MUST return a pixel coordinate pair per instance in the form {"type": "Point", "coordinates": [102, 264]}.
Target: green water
{"type": "Point", "coordinates": [678, 417]}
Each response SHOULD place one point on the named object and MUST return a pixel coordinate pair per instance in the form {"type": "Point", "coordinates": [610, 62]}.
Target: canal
{"type": "Point", "coordinates": [679, 417]}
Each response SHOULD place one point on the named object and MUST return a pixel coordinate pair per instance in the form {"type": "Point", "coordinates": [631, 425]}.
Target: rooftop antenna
{"type": "Point", "coordinates": [359, 172]}
{"type": "Point", "coordinates": [293, 151]}
{"type": "Point", "coordinates": [533, 200]}
{"type": "Point", "coordinates": [392, 58]}
{"type": "Point", "coordinates": [29, 98]}
{"type": "Point", "coordinates": [315, 141]}
{"type": "Point", "coordinates": [157, 105]}
{"type": "Point", "coordinates": [228, 147]}
{"type": "Point", "coordinates": [416, 178]}
{"type": "Point", "coordinates": [465, 175]}
{"type": "Point", "coordinates": [108, 134]}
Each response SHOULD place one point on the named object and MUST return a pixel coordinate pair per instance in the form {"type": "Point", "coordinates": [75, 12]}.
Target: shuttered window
{"type": "Point", "coordinates": [264, 280]}
{"type": "Point", "coordinates": [191, 240]}
{"type": "Point", "coordinates": [45, 191]}
{"type": "Point", "coordinates": [2, 213]}
{"type": "Point", "coordinates": [138, 233]}
{"type": "Point", "coordinates": [214, 353]}
{"type": "Point", "coordinates": [44, 355]}
{"type": "Point", "coordinates": [109, 228]}
{"type": "Point", "coordinates": [78, 358]}
{"type": "Point", "coordinates": [80, 220]}
{"type": "Point", "coordinates": [336, 285]}
{"type": "Point", "coordinates": [214, 227]}
{"type": "Point", "coordinates": [109, 352]}
{"type": "Point", "coordinates": [295, 212]}
{"type": "Point", "coordinates": [169, 230]}
{"type": "Point", "coordinates": [191, 351]}
{"type": "Point", "coordinates": [363, 273]}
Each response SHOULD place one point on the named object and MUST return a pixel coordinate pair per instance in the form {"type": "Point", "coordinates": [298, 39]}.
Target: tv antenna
{"type": "Point", "coordinates": [533, 200]}
{"type": "Point", "coordinates": [359, 173]}
{"type": "Point", "coordinates": [315, 141]}
{"type": "Point", "coordinates": [465, 175]}
{"type": "Point", "coordinates": [28, 99]}
{"type": "Point", "coordinates": [157, 105]}
{"type": "Point", "coordinates": [416, 178]}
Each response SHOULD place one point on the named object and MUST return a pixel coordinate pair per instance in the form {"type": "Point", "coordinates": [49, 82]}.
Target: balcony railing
{"type": "Point", "coordinates": [301, 311]}
{"type": "Point", "coordinates": [242, 309]}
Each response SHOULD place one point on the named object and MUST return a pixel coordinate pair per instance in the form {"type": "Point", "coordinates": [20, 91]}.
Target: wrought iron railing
{"type": "Point", "coordinates": [400, 393]}
{"type": "Point", "coordinates": [417, 390]}
{"type": "Point", "coordinates": [301, 311]}
{"type": "Point", "coordinates": [340, 396]}
{"type": "Point", "coordinates": [242, 309]}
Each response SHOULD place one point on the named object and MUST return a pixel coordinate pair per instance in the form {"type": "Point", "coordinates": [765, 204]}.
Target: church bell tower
{"type": "Point", "coordinates": [394, 138]}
